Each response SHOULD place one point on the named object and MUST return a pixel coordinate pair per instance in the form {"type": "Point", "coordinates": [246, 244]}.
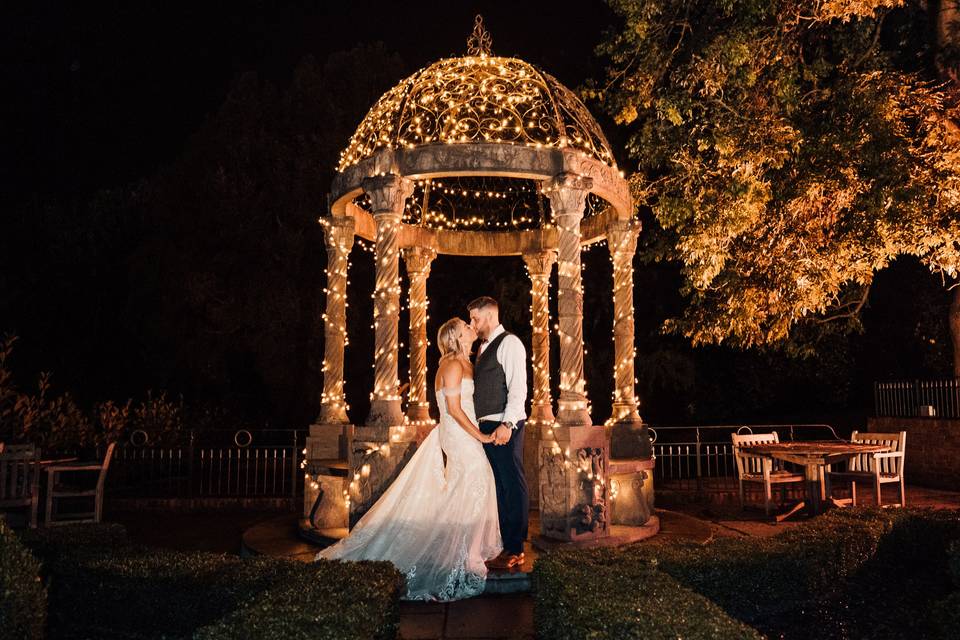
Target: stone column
{"type": "Point", "coordinates": [338, 233]}
{"type": "Point", "coordinates": [387, 195]}
{"type": "Point", "coordinates": [539, 265]}
{"type": "Point", "coordinates": [327, 444]}
{"type": "Point", "coordinates": [573, 465]}
{"type": "Point", "coordinates": [622, 238]}
{"type": "Point", "coordinates": [380, 448]}
{"type": "Point", "coordinates": [568, 193]}
{"type": "Point", "coordinates": [417, 261]}
{"type": "Point", "coordinates": [631, 465]}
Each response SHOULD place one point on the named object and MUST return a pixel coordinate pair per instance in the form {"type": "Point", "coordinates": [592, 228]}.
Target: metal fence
{"type": "Point", "coordinates": [266, 463]}
{"type": "Point", "coordinates": [210, 464]}
{"type": "Point", "coordinates": [700, 458]}
{"type": "Point", "coordinates": [912, 398]}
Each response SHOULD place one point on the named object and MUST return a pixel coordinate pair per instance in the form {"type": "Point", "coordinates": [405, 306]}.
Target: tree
{"type": "Point", "coordinates": [788, 150]}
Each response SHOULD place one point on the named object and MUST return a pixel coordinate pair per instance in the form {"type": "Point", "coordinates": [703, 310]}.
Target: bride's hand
{"type": "Point", "coordinates": [486, 438]}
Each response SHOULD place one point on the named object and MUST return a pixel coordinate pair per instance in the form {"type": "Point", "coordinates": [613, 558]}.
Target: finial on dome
{"type": "Point", "coordinates": [480, 41]}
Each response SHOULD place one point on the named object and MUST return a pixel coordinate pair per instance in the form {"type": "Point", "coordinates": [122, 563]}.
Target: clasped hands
{"type": "Point", "coordinates": [500, 435]}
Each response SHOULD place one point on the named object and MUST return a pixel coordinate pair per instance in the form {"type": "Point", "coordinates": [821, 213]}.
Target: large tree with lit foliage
{"type": "Point", "coordinates": [788, 151]}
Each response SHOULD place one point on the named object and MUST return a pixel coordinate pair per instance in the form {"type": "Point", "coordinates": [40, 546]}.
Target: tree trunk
{"type": "Point", "coordinates": [946, 14]}
{"type": "Point", "coordinates": [955, 329]}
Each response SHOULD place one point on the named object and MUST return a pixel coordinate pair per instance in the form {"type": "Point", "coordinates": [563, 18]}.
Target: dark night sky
{"type": "Point", "coordinates": [106, 91]}
{"type": "Point", "coordinates": [105, 94]}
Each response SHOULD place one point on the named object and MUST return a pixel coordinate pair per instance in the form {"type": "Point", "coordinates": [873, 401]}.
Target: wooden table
{"type": "Point", "coordinates": [813, 456]}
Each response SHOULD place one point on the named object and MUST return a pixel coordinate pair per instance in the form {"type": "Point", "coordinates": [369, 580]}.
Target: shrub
{"type": "Point", "coordinates": [605, 594]}
{"type": "Point", "coordinates": [103, 586]}
{"type": "Point", "coordinates": [853, 571]}
{"type": "Point", "coordinates": [23, 600]}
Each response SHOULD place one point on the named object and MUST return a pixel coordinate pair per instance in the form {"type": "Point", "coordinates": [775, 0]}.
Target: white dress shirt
{"type": "Point", "coordinates": [512, 356]}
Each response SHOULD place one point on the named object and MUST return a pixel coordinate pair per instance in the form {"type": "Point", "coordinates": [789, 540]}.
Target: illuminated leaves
{"type": "Point", "coordinates": [784, 154]}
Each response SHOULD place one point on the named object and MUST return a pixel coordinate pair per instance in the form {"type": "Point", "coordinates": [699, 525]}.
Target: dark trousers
{"type": "Point", "coordinates": [513, 501]}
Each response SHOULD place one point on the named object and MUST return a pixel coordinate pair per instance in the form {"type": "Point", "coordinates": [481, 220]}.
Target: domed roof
{"type": "Point", "coordinates": [478, 99]}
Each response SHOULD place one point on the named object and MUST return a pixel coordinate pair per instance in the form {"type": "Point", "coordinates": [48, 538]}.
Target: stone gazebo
{"type": "Point", "coordinates": [482, 156]}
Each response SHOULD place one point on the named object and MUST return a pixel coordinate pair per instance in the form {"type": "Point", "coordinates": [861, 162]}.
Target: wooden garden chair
{"type": "Point", "coordinates": [878, 468]}
{"type": "Point", "coordinates": [761, 469]}
{"type": "Point", "coordinates": [20, 478]}
{"type": "Point", "coordinates": [57, 490]}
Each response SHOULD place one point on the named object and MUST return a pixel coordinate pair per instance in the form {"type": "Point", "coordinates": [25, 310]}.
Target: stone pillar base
{"type": "Point", "coordinates": [573, 484]}
{"type": "Point", "coordinates": [328, 441]}
{"type": "Point", "coordinates": [377, 455]}
{"type": "Point", "coordinates": [631, 492]}
{"type": "Point", "coordinates": [384, 413]}
{"type": "Point", "coordinates": [531, 448]}
{"type": "Point", "coordinates": [630, 439]}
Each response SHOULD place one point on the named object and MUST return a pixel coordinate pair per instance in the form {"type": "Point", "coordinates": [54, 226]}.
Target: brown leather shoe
{"type": "Point", "coordinates": [515, 560]}
{"type": "Point", "coordinates": [500, 563]}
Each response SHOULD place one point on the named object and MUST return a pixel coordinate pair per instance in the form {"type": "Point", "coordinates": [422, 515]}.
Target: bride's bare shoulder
{"type": "Point", "coordinates": [450, 368]}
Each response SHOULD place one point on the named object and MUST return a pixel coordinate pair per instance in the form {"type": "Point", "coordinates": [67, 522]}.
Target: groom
{"type": "Point", "coordinates": [500, 393]}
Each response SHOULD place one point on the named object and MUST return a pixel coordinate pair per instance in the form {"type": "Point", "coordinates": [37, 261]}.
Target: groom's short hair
{"type": "Point", "coordinates": [482, 302]}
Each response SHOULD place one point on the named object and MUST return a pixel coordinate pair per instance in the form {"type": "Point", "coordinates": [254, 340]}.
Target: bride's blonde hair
{"type": "Point", "coordinates": [448, 337]}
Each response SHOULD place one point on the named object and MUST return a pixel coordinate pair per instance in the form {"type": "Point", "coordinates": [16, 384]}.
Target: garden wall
{"type": "Point", "coordinates": [933, 449]}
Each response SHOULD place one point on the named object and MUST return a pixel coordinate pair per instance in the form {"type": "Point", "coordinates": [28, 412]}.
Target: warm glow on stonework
{"type": "Point", "coordinates": [424, 175]}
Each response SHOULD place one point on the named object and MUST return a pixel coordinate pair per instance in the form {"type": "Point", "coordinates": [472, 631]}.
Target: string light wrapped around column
{"type": "Point", "coordinates": [387, 196]}
{"type": "Point", "coordinates": [417, 261]}
{"type": "Point", "coordinates": [338, 233]}
{"type": "Point", "coordinates": [622, 237]}
{"type": "Point", "coordinates": [568, 194]}
{"type": "Point", "coordinates": [539, 264]}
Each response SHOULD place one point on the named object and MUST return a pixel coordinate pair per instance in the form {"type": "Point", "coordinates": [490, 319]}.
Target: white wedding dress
{"type": "Point", "coordinates": [436, 524]}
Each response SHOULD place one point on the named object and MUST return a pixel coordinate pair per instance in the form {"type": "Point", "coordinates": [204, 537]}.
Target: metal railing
{"type": "Point", "coordinates": [210, 464]}
{"type": "Point", "coordinates": [701, 458]}
{"type": "Point", "coordinates": [913, 398]}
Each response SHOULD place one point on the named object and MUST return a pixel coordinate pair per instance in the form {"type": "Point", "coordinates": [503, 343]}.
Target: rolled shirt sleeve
{"type": "Point", "coordinates": [512, 356]}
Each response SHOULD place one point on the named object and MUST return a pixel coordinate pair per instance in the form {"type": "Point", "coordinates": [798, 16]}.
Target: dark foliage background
{"type": "Point", "coordinates": [163, 167]}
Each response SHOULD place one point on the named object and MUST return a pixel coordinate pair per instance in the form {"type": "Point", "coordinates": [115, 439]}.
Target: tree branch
{"type": "Point", "coordinates": [852, 313]}
{"type": "Point", "coordinates": [873, 43]}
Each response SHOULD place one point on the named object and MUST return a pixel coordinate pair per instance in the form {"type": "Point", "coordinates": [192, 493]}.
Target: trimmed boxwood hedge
{"type": "Point", "coordinates": [102, 586]}
{"type": "Point", "coordinates": [23, 600]}
{"type": "Point", "coordinates": [593, 594]}
{"type": "Point", "coordinates": [850, 573]}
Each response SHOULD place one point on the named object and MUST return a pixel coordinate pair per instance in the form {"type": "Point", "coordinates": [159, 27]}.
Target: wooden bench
{"type": "Point", "coordinates": [20, 478]}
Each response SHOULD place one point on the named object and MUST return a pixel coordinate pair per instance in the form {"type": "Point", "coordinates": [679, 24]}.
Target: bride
{"type": "Point", "coordinates": [437, 523]}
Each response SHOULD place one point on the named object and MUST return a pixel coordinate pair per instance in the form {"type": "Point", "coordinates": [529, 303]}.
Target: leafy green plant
{"type": "Point", "coordinates": [23, 598]}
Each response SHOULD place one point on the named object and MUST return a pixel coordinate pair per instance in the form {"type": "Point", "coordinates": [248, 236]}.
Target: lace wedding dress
{"type": "Point", "coordinates": [436, 524]}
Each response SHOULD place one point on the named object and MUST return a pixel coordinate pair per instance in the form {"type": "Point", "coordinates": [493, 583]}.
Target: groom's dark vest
{"type": "Point", "coordinates": [489, 380]}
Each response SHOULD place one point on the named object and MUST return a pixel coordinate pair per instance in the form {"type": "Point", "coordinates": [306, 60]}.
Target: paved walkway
{"type": "Point", "coordinates": [487, 617]}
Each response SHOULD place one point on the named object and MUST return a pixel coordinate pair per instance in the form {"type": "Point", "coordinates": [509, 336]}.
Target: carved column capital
{"type": "Point", "coordinates": [387, 193]}
{"type": "Point", "coordinates": [338, 233]}
{"type": "Point", "coordinates": [567, 193]}
{"type": "Point", "coordinates": [418, 260]}
{"type": "Point", "coordinates": [540, 263]}
{"type": "Point", "coordinates": [622, 237]}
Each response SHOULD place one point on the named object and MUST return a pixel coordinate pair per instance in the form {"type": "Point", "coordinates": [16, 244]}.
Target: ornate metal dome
{"type": "Point", "coordinates": [478, 99]}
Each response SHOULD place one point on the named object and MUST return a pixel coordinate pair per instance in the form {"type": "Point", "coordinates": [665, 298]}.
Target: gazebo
{"type": "Point", "coordinates": [482, 155]}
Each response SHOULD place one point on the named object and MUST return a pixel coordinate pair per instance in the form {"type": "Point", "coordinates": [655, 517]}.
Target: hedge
{"type": "Point", "coordinates": [23, 599]}
{"type": "Point", "coordinates": [595, 595]}
{"type": "Point", "coordinates": [835, 576]}
{"type": "Point", "coordinates": [103, 586]}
